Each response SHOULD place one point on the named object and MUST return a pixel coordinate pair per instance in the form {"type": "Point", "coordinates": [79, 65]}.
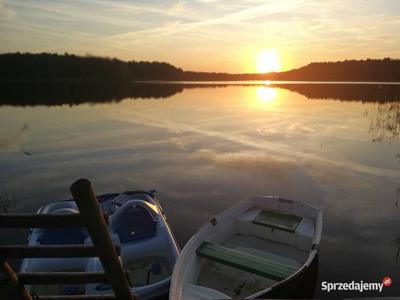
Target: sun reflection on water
{"type": "Point", "coordinates": [266, 95]}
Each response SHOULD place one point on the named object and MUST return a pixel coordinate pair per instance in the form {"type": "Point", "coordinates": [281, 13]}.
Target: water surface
{"type": "Point", "coordinates": [206, 147]}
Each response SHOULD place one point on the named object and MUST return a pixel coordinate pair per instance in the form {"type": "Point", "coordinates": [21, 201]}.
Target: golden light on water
{"type": "Point", "coordinates": [266, 94]}
{"type": "Point", "coordinates": [268, 61]}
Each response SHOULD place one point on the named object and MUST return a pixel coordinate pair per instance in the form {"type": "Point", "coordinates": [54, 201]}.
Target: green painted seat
{"type": "Point", "coordinates": [278, 220]}
{"type": "Point", "coordinates": [245, 261]}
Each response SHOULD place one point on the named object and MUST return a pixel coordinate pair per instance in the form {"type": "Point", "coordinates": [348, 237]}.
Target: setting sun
{"type": "Point", "coordinates": [268, 61]}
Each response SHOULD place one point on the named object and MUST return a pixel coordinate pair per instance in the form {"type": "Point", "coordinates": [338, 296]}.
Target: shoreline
{"type": "Point", "coordinates": [191, 82]}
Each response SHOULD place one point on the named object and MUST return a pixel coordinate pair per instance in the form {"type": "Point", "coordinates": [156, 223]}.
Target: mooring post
{"type": "Point", "coordinates": [92, 215]}
{"type": "Point", "coordinates": [16, 285]}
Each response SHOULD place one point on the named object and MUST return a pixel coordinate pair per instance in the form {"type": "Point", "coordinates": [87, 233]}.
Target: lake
{"type": "Point", "coordinates": [204, 147]}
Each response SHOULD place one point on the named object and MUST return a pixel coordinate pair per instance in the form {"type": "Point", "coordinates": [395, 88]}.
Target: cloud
{"type": "Point", "coordinates": [285, 152]}
{"type": "Point", "coordinates": [248, 161]}
{"type": "Point", "coordinates": [5, 11]}
{"type": "Point", "coordinates": [229, 35]}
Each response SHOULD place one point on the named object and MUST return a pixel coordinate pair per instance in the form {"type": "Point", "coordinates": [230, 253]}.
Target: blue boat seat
{"type": "Point", "coordinates": [134, 223]}
{"type": "Point", "coordinates": [62, 236]}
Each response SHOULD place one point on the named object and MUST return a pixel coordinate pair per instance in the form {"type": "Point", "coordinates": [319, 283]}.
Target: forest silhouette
{"type": "Point", "coordinates": [28, 66]}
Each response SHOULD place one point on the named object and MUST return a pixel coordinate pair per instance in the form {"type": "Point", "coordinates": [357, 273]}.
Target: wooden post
{"type": "Point", "coordinates": [92, 214]}
{"type": "Point", "coordinates": [16, 284]}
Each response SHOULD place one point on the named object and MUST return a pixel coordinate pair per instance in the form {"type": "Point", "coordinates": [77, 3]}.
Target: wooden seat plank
{"type": "Point", "coordinates": [245, 261]}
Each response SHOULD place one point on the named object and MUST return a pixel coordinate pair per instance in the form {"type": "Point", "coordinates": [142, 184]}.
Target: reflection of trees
{"type": "Point", "coordinates": [5, 200]}
{"type": "Point", "coordinates": [346, 92]}
{"type": "Point", "coordinates": [385, 121]}
{"type": "Point", "coordinates": [72, 92]}
{"type": "Point", "coordinates": [57, 92]}
{"type": "Point", "coordinates": [385, 114]}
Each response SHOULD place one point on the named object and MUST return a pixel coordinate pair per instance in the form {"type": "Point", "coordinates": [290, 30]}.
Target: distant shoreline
{"type": "Point", "coordinates": [264, 82]}
{"type": "Point", "coordinates": [190, 82]}
{"type": "Point", "coordinates": [47, 66]}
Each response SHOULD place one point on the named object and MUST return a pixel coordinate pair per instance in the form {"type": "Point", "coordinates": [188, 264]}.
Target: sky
{"type": "Point", "coordinates": [205, 35]}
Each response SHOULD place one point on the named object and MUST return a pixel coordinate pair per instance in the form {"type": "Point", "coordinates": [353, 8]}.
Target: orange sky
{"type": "Point", "coordinates": [205, 35]}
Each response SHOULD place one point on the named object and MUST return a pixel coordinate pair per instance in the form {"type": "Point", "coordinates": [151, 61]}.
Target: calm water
{"type": "Point", "coordinates": [204, 148]}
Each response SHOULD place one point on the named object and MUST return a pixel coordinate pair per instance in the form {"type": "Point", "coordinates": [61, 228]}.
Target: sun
{"type": "Point", "coordinates": [268, 61]}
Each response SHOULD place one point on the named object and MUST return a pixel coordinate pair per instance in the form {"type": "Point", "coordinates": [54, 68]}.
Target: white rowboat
{"type": "Point", "coordinates": [248, 250]}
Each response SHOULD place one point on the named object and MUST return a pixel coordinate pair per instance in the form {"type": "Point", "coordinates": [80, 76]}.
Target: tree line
{"type": "Point", "coordinates": [386, 69]}
{"type": "Point", "coordinates": [68, 66]}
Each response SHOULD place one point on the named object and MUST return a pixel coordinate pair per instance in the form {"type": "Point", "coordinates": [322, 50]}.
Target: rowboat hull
{"type": "Point", "coordinates": [248, 250]}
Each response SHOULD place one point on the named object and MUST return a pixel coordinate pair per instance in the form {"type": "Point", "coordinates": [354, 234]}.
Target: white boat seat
{"type": "Point", "coordinates": [246, 262]}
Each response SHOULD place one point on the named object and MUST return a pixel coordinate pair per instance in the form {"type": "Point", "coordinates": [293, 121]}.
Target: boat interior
{"type": "Point", "coordinates": [147, 251]}
{"type": "Point", "coordinates": [261, 248]}
{"type": "Point", "coordinates": [148, 270]}
{"type": "Point", "coordinates": [146, 257]}
{"type": "Point", "coordinates": [59, 289]}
